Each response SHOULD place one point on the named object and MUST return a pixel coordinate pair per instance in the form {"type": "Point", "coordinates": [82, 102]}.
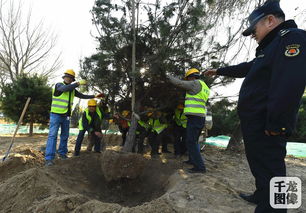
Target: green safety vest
{"type": "Point", "coordinates": [60, 103]}
{"type": "Point", "coordinates": [88, 117]}
{"type": "Point", "coordinates": [196, 104]}
{"type": "Point", "coordinates": [157, 126]}
{"type": "Point", "coordinates": [180, 118]}
{"type": "Point", "coordinates": [143, 124]}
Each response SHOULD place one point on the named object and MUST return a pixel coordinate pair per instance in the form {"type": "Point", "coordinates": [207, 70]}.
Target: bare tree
{"type": "Point", "coordinates": [24, 47]}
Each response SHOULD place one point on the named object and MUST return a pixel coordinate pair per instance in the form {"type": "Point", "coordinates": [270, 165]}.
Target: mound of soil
{"type": "Point", "coordinates": [119, 165]}
{"type": "Point", "coordinates": [18, 162]}
{"type": "Point", "coordinates": [73, 182]}
{"type": "Point", "coordinates": [80, 184]}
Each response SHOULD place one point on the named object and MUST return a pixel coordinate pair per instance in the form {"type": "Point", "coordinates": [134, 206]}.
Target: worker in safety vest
{"type": "Point", "coordinates": [157, 126]}
{"type": "Point", "coordinates": [123, 122]}
{"type": "Point", "coordinates": [90, 121]}
{"type": "Point", "coordinates": [142, 131]}
{"type": "Point", "coordinates": [179, 129]}
{"type": "Point", "coordinates": [197, 93]}
{"type": "Point", "coordinates": [62, 100]}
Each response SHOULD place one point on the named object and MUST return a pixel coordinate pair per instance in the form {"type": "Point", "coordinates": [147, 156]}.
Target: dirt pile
{"type": "Point", "coordinates": [71, 183]}
{"type": "Point", "coordinates": [112, 140]}
{"type": "Point", "coordinates": [78, 184]}
{"type": "Point", "coordinates": [118, 165]}
{"type": "Point", "coordinates": [18, 162]}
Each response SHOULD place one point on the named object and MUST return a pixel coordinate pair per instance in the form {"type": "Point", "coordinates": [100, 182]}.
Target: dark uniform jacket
{"type": "Point", "coordinates": [275, 80]}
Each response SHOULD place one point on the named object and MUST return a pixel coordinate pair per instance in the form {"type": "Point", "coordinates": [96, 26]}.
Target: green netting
{"type": "Point", "coordinates": [10, 128]}
{"type": "Point", "coordinates": [293, 148]}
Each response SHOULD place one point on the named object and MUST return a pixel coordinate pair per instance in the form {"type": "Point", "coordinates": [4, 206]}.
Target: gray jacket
{"type": "Point", "coordinates": [191, 87]}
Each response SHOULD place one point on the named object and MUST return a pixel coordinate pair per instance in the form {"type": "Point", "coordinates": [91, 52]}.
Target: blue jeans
{"type": "Point", "coordinates": [57, 121]}
{"type": "Point", "coordinates": [195, 125]}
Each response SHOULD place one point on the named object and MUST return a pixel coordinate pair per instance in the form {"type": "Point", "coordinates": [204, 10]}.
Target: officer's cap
{"type": "Point", "coordinates": [270, 7]}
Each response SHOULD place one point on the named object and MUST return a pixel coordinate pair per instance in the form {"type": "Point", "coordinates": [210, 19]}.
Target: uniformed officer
{"type": "Point", "coordinates": [270, 95]}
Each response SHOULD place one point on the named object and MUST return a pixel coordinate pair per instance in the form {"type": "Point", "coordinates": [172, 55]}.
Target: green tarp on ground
{"type": "Point", "coordinates": [10, 128]}
{"type": "Point", "coordinates": [293, 148]}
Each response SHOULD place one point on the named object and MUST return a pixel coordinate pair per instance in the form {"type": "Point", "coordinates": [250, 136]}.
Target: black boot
{"type": "Point", "coordinates": [249, 198]}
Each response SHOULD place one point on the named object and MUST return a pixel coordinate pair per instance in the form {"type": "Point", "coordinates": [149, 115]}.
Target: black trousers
{"type": "Point", "coordinates": [266, 158]}
{"type": "Point", "coordinates": [141, 134]}
{"type": "Point", "coordinates": [154, 141]}
{"type": "Point", "coordinates": [123, 132]}
{"type": "Point", "coordinates": [79, 141]}
{"type": "Point", "coordinates": [180, 147]}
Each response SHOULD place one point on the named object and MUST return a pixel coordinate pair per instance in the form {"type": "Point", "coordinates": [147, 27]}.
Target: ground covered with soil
{"type": "Point", "coordinates": [125, 182]}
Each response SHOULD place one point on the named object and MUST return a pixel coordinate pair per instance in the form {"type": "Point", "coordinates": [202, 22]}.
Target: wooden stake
{"type": "Point", "coordinates": [19, 122]}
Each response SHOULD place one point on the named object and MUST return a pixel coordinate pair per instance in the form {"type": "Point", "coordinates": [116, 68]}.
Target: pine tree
{"type": "Point", "coordinates": [16, 93]}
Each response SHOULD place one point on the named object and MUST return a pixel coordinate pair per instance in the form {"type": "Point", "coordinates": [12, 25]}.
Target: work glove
{"type": "Point", "coordinates": [99, 134]}
{"type": "Point", "coordinates": [101, 95]}
{"type": "Point", "coordinates": [82, 82]}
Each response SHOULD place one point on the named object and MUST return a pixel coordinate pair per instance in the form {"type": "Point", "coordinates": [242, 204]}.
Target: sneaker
{"type": "Point", "coordinates": [188, 162]}
{"type": "Point", "coordinates": [49, 163]}
{"type": "Point", "coordinates": [63, 157]}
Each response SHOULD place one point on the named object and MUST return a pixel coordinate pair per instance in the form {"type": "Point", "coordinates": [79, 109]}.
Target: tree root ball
{"type": "Point", "coordinates": [118, 165]}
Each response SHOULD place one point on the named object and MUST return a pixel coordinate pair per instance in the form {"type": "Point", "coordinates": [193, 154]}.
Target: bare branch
{"type": "Point", "coordinates": [25, 47]}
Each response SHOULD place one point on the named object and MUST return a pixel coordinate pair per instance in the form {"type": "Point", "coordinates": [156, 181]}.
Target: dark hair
{"type": "Point", "coordinates": [280, 16]}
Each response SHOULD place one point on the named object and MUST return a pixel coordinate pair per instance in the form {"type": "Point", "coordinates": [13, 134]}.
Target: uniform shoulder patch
{"type": "Point", "coordinates": [292, 50]}
{"type": "Point", "coordinates": [284, 32]}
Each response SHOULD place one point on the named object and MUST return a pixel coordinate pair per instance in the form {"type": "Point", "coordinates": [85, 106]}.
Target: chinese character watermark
{"type": "Point", "coordinates": [285, 192]}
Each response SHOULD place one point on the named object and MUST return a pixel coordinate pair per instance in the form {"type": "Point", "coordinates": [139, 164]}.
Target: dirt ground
{"type": "Point", "coordinates": [80, 184]}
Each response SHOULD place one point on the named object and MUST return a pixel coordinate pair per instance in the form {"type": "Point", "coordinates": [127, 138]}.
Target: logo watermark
{"type": "Point", "coordinates": [285, 192]}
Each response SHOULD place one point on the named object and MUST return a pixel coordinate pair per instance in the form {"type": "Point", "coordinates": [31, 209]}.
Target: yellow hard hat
{"type": "Point", "coordinates": [92, 102]}
{"type": "Point", "coordinates": [180, 106]}
{"type": "Point", "coordinates": [158, 113]}
{"type": "Point", "coordinates": [192, 71]}
{"type": "Point", "coordinates": [69, 73]}
{"type": "Point", "coordinates": [150, 111]}
{"type": "Point", "coordinates": [125, 113]}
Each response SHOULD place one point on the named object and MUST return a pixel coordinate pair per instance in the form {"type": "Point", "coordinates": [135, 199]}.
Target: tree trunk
{"type": "Point", "coordinates": [31, 128]}
{"type": "Point", "coordinates": [236, 143]}
{"type": "Point", "coordinates": [130, 139]}
{"type": "Point", "coordinates": [131, 136]}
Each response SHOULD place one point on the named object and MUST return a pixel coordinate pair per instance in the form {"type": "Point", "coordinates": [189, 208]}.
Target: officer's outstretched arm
{"type": "Point", "coordinates": [236, 71]}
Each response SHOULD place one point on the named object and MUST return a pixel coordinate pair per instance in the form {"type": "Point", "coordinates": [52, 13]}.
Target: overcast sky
{"type": "Point", "coordinates": [71, 21]}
